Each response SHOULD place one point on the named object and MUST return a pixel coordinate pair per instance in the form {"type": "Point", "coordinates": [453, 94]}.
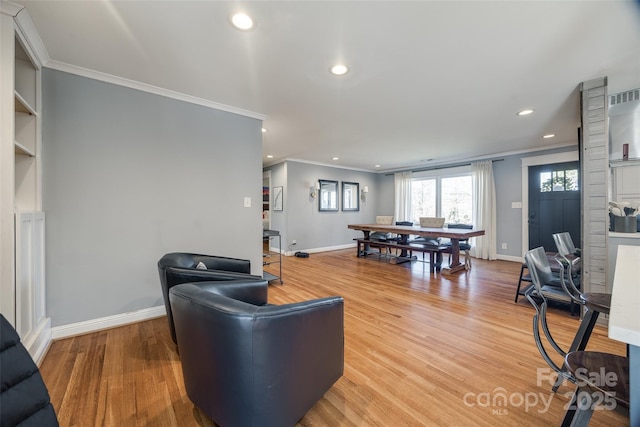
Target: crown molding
{"type": "Point", "coordinates": [10, 9]}
{"type": "Point", "coordinates": [31, 38]}
{"type": "Point", "coordinates": [132, 84]}
{"type": "Point", "coordinates": [457, 161]}
{"type": "Point", "coordinates": [324, 164]}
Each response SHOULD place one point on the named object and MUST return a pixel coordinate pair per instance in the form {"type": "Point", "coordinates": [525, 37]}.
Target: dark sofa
{"type": "Point", "coordinates": [24, 398]}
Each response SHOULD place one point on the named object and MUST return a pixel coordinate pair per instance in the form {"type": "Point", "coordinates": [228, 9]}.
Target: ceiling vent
{"type": "Point", "coordinates": [624, 125]}
{"type": "Point", "coordinates": [619, 98]}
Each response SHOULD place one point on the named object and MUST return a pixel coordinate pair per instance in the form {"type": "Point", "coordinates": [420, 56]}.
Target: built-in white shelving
{"type": "Point", "coordinates": [22, 272]}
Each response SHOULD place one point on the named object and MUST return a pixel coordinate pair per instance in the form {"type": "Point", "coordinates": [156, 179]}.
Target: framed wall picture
{"type": "Point", "coordinates": [350, 196]}
{"type": "Point", "coordinates": [328, 195]}
{"type": "Point", "coordinates": [277, 198]}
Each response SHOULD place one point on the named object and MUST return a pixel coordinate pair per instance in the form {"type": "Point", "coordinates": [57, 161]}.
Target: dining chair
{"type": "Point", "coordinates": [592, 303]}
{"type": "Point", "coordinates": [397, 238]}
{"type": "Point", "coordinates": [565, 244]}
{"type": "Point", "coordinates": [465, 246]}
{"type": "Point", "coordinates": [545, 287]}
{"type": "Point", "coordinates": [431, 244]}
{"type": "Point", "coordinates": [381, 236]}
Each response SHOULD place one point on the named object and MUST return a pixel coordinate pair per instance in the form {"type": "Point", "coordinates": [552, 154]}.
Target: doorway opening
{"type": "Point", "coordinates": [528, 163]}
{"type": "Point", "coordinates": [554, 203]}
{"type": "Point", "coordinates": [266, 200]}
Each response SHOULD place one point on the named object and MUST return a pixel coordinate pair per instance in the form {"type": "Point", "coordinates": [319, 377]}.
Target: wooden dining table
{"type": "Point", "coordinates": [404, 231]}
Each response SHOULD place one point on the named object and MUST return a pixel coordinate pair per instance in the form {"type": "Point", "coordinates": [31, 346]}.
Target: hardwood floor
{"type": "Point", "coordinates": [420, 349]}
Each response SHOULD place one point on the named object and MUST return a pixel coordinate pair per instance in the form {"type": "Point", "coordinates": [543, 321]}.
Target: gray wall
{"type": "Point", "coordinates": [302, 221]}
{"type": "Point", "coordinates": [129, 176]}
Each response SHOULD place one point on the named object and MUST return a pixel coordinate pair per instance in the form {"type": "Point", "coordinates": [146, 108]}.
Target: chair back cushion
{"type": "Point", "coordinates": [431, 222]}
{"type": "Point", "coordinates": [24, 399]}
{"type": "Point", "coordinates": [384, 220]}
{"type": "Point", "coordinates": [461, 226]}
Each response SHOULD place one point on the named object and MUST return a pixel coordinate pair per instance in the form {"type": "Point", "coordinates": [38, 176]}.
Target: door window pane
{"type": "Point", "coordinates": [571, 177]}
{"type": "Point", "coordinates": [456, 199]}
{"type": "Point", "coordinates": [545, 182]}
{"type": "Point", "coordinates": [560, 180]}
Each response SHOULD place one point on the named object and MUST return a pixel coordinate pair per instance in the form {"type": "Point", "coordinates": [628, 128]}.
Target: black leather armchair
{"type": "Point", "coordinates": [249, 365]}
{"type": "Point", "coordinates": [180, 267]}
{"type": "Point", "coordinates": [24, 399]}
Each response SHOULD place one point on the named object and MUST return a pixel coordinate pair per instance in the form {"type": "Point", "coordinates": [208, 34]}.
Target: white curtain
{"type": "Point", "coordinates": [484, 209]}
{"type": "Point", "coordinates": [402, 182]}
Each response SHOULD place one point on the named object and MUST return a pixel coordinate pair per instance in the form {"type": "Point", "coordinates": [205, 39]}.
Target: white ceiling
{"type": "Point", "coordinates": [428, 80]}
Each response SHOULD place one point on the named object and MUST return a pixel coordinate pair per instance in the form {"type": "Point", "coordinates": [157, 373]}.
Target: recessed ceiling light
{"type": "Point", "coordinates": [264, 130]}
{"type": "Point", "coordinates": [376, 166]}
{"type": "Point", "coordinates": [269, 156]}
{"type": "Point", "coordinates": [339, 70]}
{"type": "Point", "coordinates": [335, 158]}
{"type": "Point", "coordinates": [551, 135]}
{"type": "Point", "coordinates": [524, 112]}
{"type": "Point", "coordinates": [242, 21]}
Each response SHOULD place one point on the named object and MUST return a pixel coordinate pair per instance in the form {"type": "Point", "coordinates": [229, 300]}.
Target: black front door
{"type": "Point", "coordinates": [554, 204]}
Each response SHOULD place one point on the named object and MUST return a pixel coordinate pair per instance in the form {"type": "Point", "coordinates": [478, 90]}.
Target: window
{"type": "Point", "coordinates": [423, 198]}
{"type": "Point", "coordinates": [560, 180]}
{"type": "Point", "coordinates": [456, 200]}
{"type": "Point", "coordinates": [443, 196]}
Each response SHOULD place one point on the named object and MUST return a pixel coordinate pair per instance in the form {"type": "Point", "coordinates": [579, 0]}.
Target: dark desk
{"type": "Point", "coordinates": [404, 231]}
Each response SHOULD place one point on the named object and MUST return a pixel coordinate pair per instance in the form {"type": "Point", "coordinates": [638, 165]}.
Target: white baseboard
{"type": "Point", "coordinates": [94, 325]}
{"type": "Point", "coordinates": [325, 249]}
{"type": "Point", "coordinates": [39, 341]}
{"type": "Point", "coordinates": [353, 245]}
{"type": "Point", "coordinates": [510, 258]}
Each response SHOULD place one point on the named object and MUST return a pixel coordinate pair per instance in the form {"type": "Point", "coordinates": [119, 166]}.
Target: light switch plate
{"type": "Point", "coordinates": [247, 202]}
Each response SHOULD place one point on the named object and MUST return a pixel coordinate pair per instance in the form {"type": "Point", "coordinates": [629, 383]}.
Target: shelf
{"type": "Point", "coordinates": [21, 149]}
{"type": "Point", "coordinates": [269, 277]}
{"type": "Point", "coordinates": [22, 106]}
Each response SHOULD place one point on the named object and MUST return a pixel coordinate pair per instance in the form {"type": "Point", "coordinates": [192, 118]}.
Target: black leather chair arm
{"type": "Point", "coordinates": [252, 292]}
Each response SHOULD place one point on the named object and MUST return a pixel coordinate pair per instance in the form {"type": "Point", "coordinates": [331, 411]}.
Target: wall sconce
{"type": "Point", "coordinates": [313, 191]}
{"type": "Point", "coordinates": [363, 193]}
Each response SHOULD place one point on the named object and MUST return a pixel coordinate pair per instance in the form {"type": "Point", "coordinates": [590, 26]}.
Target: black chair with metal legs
{"type": "Point", "coordinates": [524, 277]}
{"type": "Point", "coordinates": [545, 287]}
{"type": "Point", "coordinates": [397, 238]}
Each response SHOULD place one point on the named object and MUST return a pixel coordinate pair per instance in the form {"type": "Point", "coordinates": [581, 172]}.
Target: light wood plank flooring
{"type": "Point", "coordinates": [421, 349]}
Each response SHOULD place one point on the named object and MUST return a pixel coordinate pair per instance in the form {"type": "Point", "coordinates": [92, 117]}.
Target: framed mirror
{"type": "Point", "coordinates": [350, 199]}
{"type": "Point", "coordinates": [328, 195]}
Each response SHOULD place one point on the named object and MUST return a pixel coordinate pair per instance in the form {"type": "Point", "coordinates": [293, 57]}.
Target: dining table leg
{"type": "Point", "coordinates": [455, 265]}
